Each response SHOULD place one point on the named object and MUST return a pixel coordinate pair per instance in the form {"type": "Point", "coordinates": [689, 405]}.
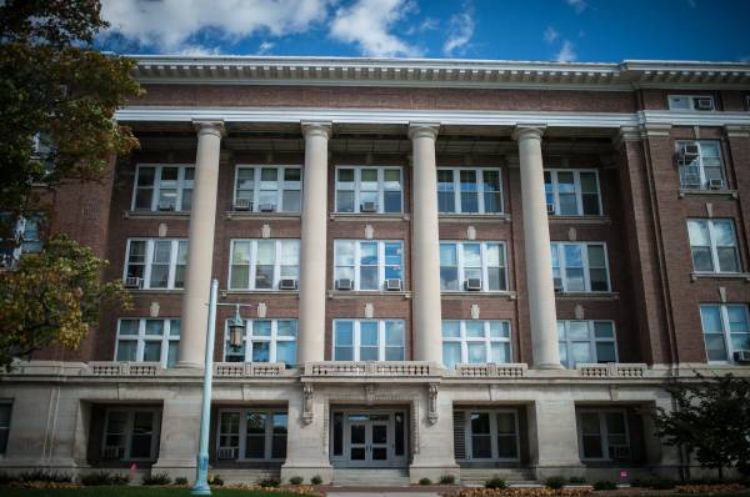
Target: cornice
{"type": "Point", "coordinates": [447, 73]}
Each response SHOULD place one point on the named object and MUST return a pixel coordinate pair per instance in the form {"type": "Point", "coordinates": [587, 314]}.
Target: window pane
{"type": "Point", "coordinates": [261, 352]}
{"type": "Point", "coordinates": [581, 352]}
{"type": "Point", "coordinates": [492, 198]}
{"type": "Point", "coordinates": [469, 194]}
{"type": "Point", "coordinates": [605, 352]}
{"type": "Point", "coordinates": [172, 351]}
{"type": "Point", "coordinates": [500, 352]}
{"type": "Point", "coordinates": [262, 328]}
{"type": "Point", "coordinates": [737, 318]}
{"type": "Point", "coordinates": [448, 267]}
{"type": "Point", "coordinates": [451, 329]}
{"type": "Point", "coordinates": [603, 329]}
{"type": "Point", "coordinates": [698, 233]}
{"type": "Point", "coordinates": [477, 353]}
{"type": "Point", "coordinates": [474, 329]}
{"type": "Point", "coordinates": [126, 350]}
{"type": "Point", "coordinates": [716, 348]}
{"type": "Point", "coordinates": [451, 354]}
{"type": "Point", "coordinates": [446, 198]}
{"type": "Point", "coordinates": [344, 201]}
{"type": "Point", "coordinates": [129, 326]}
{"type": "Point", "coordinates": [711, 319]}
{"type": "Point", "coordinates": [394, 333]}
{"type": "Point", "coordinates": [146, 176]}
{"type": "Point", "coordinates": [728, 259]}
{"type": "Point", "coordinates": [286, 352]}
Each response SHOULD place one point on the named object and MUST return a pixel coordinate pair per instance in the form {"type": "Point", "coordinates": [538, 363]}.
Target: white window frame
{"type": "Point", "coordinates": [672, 100]}
{"type": "Point", "coordinates": [182, 184]}
{"type": "Point", "coordinates": [22, 245]}
{"type": "Point", "coordinates": [358, 266]}
{"type": "Point", "coordinates": [128, 433]}
{"type": "Point", "coordinates": [249, 337]}
{"type": "Point", "coordinates": [460, 260]}
{"type": "Point", "coordinates": [469, 440]}
{"type": "Point", "coordinates": [6, 428]}
{"type": "Point", "coordinates": [480, 191]}
{"type": "Point", "coordinates": [253, 263]}
{"type": "Point", "coordinates": [487, 340]}
{"type": "Point", "coordinates": [268, 440]}
{"type": "Point", "coordinates": [586, 270]}
{"type": "Point", "coordinates": [141, 338]}
{"type": "Point", "coordinates": [148, 264]}
{"type": "Point", "coordinates": [699, 165]}
{"type": "Point", "coordinates": [712, 244]}
{"type": "Point", "coordinates": [358, 192]}
{"type": "Point", "coordinates": [578, 190]}
{"type": "Point", "coordinates": [281, 188]}
{"type": "Point", "coordinates": [603, 431]}
{"type": "Point", "coordinates": [356, 337]}
{"type": "Point", "coordinates": [592, 339]}
{"type": "Point", "coordinates": [725, 331]}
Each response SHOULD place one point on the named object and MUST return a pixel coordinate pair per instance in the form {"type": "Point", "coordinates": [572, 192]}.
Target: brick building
{"type": "Point", "coordinates": [455, 267]}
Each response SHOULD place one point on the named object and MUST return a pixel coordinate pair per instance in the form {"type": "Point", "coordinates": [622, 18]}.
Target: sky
{"type": "Point", "coordinates": [555, 30]}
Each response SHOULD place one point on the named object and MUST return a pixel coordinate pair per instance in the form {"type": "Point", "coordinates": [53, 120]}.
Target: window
{"type": "Point", "coordinates": [713, 245]}
{"type": "Point", "coordinates": [19, 236]}
{"type": "Point", "coordinates": [375, 190]}
{"type": "Point", "coordinates": [468, 266]}
{"type": "Point", "coordinates": [156, 264]}
{"type": "Point", "coordinates": [700, 165]}
{"type": "Point", "coordinates": [691, 102]}
{"type": "Point", "coordinates": [251, 434]}
{"type": "Point", "coordinates": [148, 340]}
{"type": "Point", "coordinates": [268, 188]}
{"type": "Point", "coordinates": [572, 192]}
{"type": "Point", "coordinates": [475, 342]}
{"type": "Point", "coordinates": [580, 267]}
{"type": "Point", "coordinates": [262, 264]}
{"type": "Point", "coordinates": [368, 340]}
{"type": "Point", "coordinates": [586, 342]}
{"type": "Point", "coordinates": [265, 340]}
{"type": "Point", "coordinates": [163, 188]}
{"type": "Point", "coordinates": [486, 434]}
{"type": "Point", "coordinates": [725, 330]}
{"type": "Point", "coordinates": [5, 410]}
{"type": "Point", "coordinates": [603, 435]}
{"type": "Point", "coordinates": [368, 264]}
{"type": "Point", "coordinates": [469, 191]}
{"type": "Point", "coordinates": [131, 434]}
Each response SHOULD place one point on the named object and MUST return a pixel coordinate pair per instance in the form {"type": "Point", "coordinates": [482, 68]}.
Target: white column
{"type": "Point", "coordinates": [312, 283]}
{"type": "Point", "coordinates": [200, 245]}
{"type": "Point", "coordinates": [539, 282]}
{"type": "Point", "coordinates": [425, 247]}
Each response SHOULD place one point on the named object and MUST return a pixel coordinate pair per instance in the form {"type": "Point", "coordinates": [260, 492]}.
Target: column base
{"type": "Point", "coordinates": [549, 365]}
{"type": "Point", "coordinates": [307, 472]}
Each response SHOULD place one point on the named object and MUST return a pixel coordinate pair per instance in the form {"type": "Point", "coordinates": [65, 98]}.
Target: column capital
{"type": "Point", "coordinates": [317, 128]}
{"type": "Point", "coordinates": [210, 127]}
{"type": "Point", "coordinates": [525, 131]}
{"type": "Point", "coordinates": [423, 130]}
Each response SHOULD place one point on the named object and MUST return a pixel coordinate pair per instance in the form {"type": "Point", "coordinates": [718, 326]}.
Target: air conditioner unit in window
{"type": "Point", "coordinates": [688, 153]}
{"type": "Point", "coordinates": [393, 285]}
{"type": "Point", "coordinates": [227, 453]}
{"type": "Point", "coordinates": [558, 285]}
{"type": "Point", "coordinates": [704, 103]}
{"type": "Point", "coordinates": [473, 284]}
{"type": "Point", "coordinates": [344, 284]}
{"type": "Point", "coordinates": [266, 208]}
{"type": "Point", "coordinates": [715, 184]}
{"type": "Point", "coordinates": [551, 209]}
{"type": "Point", "coordinates": [133, 282]}
{"type": "Point", "coordinates": [288, 284]}
{"type": "Point", "coordinates": [242, 204]}
{"type": "Point", "coordinates": [368, 207]}
{"type": "Point", "coordinates": [619, 452]}
{"type": "Point", "coordinates": [166, 205]}
{"type": "Point", "coordinates": [742, 356]}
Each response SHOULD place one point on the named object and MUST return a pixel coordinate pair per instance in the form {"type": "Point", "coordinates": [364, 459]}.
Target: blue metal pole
{"type": "Point", "coordinates": [201, 479]}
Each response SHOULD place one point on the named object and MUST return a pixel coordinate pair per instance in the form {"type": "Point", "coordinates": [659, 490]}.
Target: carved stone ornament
{"type": "Point", "coordinates": [307, 413]}
{"type": "Point", "coordinates": [432, 412]}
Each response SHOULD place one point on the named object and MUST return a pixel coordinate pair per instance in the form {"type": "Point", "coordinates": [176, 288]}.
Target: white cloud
{"type": "Point", "coordinates": [550, 34]}
{"type": "Point", "coordinates": [170, 24]}
{"type": "Point", "coordinates": [578, 5]}
{"type": "Point", "coordinates": [265, 47]}
{"type": "Point", "coordinates": [197, 51]}
{"type": "Point", "coordinates": [460, 32]}
{"type": "Point", "coordinates": [566, 53]}
{"type": "Point", "coordinates": [368, 23]}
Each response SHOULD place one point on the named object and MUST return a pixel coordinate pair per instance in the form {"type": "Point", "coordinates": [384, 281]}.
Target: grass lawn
{"type": "Point", "coordinates": [131, 492]}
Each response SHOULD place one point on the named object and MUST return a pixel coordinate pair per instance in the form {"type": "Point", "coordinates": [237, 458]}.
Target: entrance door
{"type": "Point", "coordinates": [368, 439]}
{"type": "Point", "coordinates": [358, 445]}
{"type": "Point", "coordinates": [380, 425]}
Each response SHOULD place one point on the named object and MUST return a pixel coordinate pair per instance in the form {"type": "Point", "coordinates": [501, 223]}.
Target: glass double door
{"type": "Point", "coordinates": [370, 439]}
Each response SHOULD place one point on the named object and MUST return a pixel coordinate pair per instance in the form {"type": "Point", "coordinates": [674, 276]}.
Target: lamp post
{"type": "Point", "coordinates": [236, 334]}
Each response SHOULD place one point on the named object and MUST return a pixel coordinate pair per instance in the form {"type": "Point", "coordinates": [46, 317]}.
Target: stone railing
{"type": "Point", "coordinates": [245, 369]}
{"type": "Point", "coordinates": [612, 370]}
{"type": "Point", "coordinates": [395, 368]}
{"type": "Point", "coordinates": [122, 369]}
{"type": "Point", "coordinates": [491, 370]}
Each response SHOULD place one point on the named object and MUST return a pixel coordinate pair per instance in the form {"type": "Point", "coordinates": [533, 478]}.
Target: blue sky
{"type": "Point", "coordinates": [562, 30]}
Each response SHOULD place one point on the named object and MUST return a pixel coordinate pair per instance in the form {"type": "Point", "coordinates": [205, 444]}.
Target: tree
{"type": "Point", "coordinates": [57, 101]}
{"type": "Point", "coordinates": [711, 420]}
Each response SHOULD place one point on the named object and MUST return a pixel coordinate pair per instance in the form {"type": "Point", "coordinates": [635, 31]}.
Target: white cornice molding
{"type": "Point", "coordinates": [297, 115]}
{"type": "Point", "coordinates": [445, 73]}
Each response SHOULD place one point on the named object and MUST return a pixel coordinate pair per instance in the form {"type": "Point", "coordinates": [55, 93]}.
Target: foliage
{"type": "Point", "coordinates": [577, 480]}
{"type": "Point", "coordinates": [45, 476]}
{"type": "Point", "coordinates": [137, 491]}
{"type": "Point", "coordinates": [521, 492]}
{"type": "Point", "coordinates": [425, 481]}
{"type": "Point", "coordinates": [215, 481]}
{"type": "Point", "coordinates": [656, 483]}
{"type": "Point", "coordinates": [52, 298]}
{"type": "Point", "coordinates": [555, 482]}
{"type": "Point", "coordinates": [157, 479]}
{"type": "Point", "coordinates": [269, 482]}
{"type": "Point", "coordinates": [495, 482]}
{"type": "Point", "coordinates": [710, 489]}
{"type": "Point", "coordinates": [316, 480]}
{"type": "Point", "coordinates": [104, 478]}
{"type": "Point", "coordinates": [605, 485]}
{"type": "Point", "coordinates": [711, 420]}
{"type": "Point", "coordinates": [447, 480]}
{"type": "Point", "coordinates": [296, 480]}
{"type": "Point", "coordinates": [181, 480]}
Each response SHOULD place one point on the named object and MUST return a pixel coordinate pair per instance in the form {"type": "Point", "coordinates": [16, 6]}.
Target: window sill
{"type": "Point", "coordinates": [266, 292]}
{"type": "Point", "coordinates": [509, 295]}
{"type": "Point", "coordinates": [337, 294]}
{"type": "Point", "coordinates": [695, 276]}
{"type": "Point", "coordinates": [243, 215]}
{"type": "Point", "coordinates": [712, 193]}
{"type": "Point", "coordinates": [475, 218]}
{"type": "Point", "coordinates": [145, 291]}
{"type": "Point", "coordinates": [579, 219]}
{"type": "Point", "coordinates": [155, 214]}
{"type": "Point", "coordinates": [587, 295]}
{"type": "Point", "coordinates": [368, 216]}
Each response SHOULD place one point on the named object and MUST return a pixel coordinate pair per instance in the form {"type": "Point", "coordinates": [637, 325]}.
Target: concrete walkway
{"type": "Point", "coordinates": [375, 492]}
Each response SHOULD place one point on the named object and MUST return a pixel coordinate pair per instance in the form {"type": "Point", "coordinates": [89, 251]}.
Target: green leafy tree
{"type": "Point", "coordinates": [711, 420]}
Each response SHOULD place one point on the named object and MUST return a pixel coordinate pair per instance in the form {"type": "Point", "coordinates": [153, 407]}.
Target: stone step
{"type": "Point", "coordinates": [515, 476]}
{"type": "Point", "coordinates": [387, 477]}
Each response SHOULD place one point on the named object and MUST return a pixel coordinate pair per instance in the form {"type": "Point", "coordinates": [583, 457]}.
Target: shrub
{"type": "Point", "coordinates": [495, 482]}
{"type": "Point", "coordinates": [157, 479]}
{"type": "Point", "coordinates": [661, 484]}
{"type": "Point", "coordinates": [45, 476]}
{"type": "Point", "coordinates": [215, 480]}
{"type": "Point", "coordinates": [710, 489]}
{"type": "Point", "coordinates": [316, 480]}
{"type": "Point", "coordinates": [447, 480]}
{"type": "Point", "coordinates": [100, 478]}
{"type": "Point", "coordinates": [605, 485]}
{"type": "Point", "coordinates": [296, 480]}
{"type": "Point", "coordinates": [269, 482]}
{"type": "Point", "coordinates": [577, 480]}
{"type": "Point", "coordinates": [555, 482]}
{"type": "Point", "coordinates": [425, 481]}
{"type": "Point", "coordinates": [181, 480]}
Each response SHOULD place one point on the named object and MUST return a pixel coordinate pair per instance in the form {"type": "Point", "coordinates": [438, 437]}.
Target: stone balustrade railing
{"type": "Point", "coordinates": [388, 368]}
{"type": "Point", "coordinates": [612, 370]}
{"type": "Point", "coordinates": [245, 369]}
{"type": "Point", "coordinates": [122, 369]}
{"type": "Point", "coordinates": [491, 370]}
